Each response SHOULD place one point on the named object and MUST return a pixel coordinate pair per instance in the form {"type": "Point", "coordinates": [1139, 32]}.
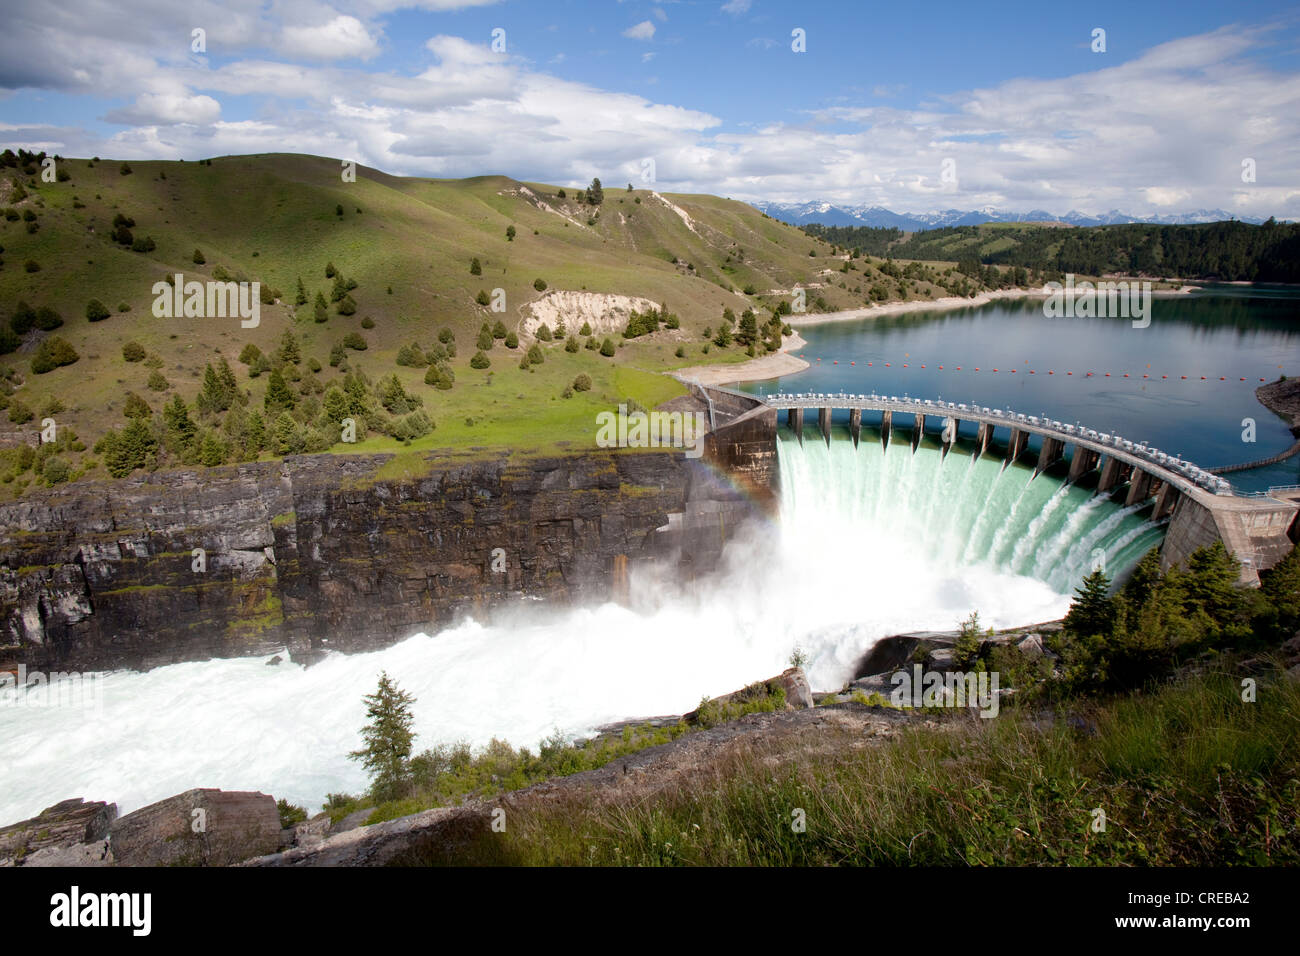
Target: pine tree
{"type": "Point", "coordinates": [321, 309]}
{"type": "Point", "coordinates": [301, 297]}
{"type": "Point", "coordinates": [595, 194]}
{"type": "Point", "coordinates": [277, 393]}
{"type": "Point", "coordinates": [388, 740]}
{"type": "Point", "coordinates": [1091, 613]}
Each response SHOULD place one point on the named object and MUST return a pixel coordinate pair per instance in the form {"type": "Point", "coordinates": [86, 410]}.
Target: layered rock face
{"type": "Point", "coordinates": [347, 552]}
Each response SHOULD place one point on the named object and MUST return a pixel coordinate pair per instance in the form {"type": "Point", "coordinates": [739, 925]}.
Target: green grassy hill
{"type": "Point", "coordinates": [408, 245]}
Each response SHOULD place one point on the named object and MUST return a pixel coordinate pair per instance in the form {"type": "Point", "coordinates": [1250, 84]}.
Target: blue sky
{"type": "Point", "coordinates": [1014, 100]}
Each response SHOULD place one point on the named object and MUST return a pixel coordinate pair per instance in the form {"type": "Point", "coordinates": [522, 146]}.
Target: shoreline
{"type": "Point", "coordinates": [772, 365]}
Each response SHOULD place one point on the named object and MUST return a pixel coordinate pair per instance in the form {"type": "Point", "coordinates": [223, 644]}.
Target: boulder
{"type": "Point", "coordinates": [798, 692]}
{"type": "Point", "coordinates": [198, 828]}
{"type": "Point", "coordinates": [66, 824]}
{"type": "Point", "coordinates": [1031, 645]}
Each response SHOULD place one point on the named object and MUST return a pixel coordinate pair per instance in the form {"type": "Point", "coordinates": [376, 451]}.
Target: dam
{"type": "Point", "coordinates": [1202, 507]}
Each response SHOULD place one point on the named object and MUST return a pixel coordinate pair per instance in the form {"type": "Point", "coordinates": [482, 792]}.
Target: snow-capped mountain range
{"type": "Point", "coordinates": [830, 214]}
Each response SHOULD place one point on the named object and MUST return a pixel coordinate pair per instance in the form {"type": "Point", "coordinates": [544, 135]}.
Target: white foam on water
{"type": "Point", "coordinates": [870, 543]}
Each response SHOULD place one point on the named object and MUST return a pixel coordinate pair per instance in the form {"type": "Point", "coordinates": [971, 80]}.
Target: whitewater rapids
{"type": "Point", "coordinates": [868, 544]}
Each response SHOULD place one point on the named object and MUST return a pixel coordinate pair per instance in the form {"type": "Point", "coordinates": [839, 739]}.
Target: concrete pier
{"type": "Point", "coordinates": [1110, 476]}
{"type": "Point", "coordinates": [1139, 488]}
{"type": "Point", "coordinates": [1049, 454]}
{"type": "Point", "coordinates": [1081, 462]}
{"type": "Point", "coordinates": [918, 430]}
{"type": "Point", "coordinates": [824, 423]}
{"type": "Point", "coordinates": [1016, 444]}
{"type": "Point", "coordinates": [794, 418]}
{"type": "Point", "coordinates": [855, 425]}
{"type": "Point", "coordinates": [983, 436]}
{"type": "Point", "coordinates": [1166, 501]}
{"type": "Point", "coordinates": [886, 426]}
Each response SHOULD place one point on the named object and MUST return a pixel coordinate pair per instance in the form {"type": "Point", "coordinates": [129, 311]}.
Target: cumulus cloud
{"type": "Point", "coordinates": [341, 38]}
{"type": "Point", "coordinates": [167, 109]}
{"type": "Point", "coordinates": [645, 30]}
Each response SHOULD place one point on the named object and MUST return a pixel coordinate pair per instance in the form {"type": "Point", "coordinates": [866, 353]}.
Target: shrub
{"type": "Point", "coordinates": [482, 298]}
{"type": "Point", "coordinates": [681, 351]}
{"type": "Point", "coordinates": [590, 344]}
{"type": "Point", "coordinates": [586, 329]}
{"type": "Point", "coordinates": [52, 353]}
{"type": "Point", "coordinates": [355, 341]}
{"type": "Point", "coordinates": [499, 330]}
{"type": "Point", "coordinates": [198, 258]}
{"type": "Point", "coordinates": [134, 351]}
{"type": "Point", "coordinates": [535, 356]}
{"type": "Point", "coordinates": [248, 355]}
{"type": "Point", "coordinates": [31, 265]}
{"type": "Point", "coordinates": [571, 344]}
{"type": "Point", "coordinates": [582, 383]}
{"type": "Point", "coordinates": [607, 348]}
{"type": "Point", "coordinates": [347, 306]}
{"type": "Point", "coordinates": [544, 333]}
{"type": "Point", "coordinates": [479, 361]}
{"type": "Point", "coordinates": [124, 169]}
{"type": "Point", "coordinates": [144, 245]}
{"type": "Point", "coordinates": [367, 323]}
{"type": "Point", "coordinates": [512, 340]}
{"type": "Point", "coordinates": [157, 382]}
{"type": "Point", "coordinates": [475, 267]}
{"type": "Point", "coordinates": [446, 336]}
{"type": "Point", "coordinates": [96, 311]}
{"type": "Point", "coordinates": [19, 413]}
{"type": "Point", "coordinates": [539, 285]}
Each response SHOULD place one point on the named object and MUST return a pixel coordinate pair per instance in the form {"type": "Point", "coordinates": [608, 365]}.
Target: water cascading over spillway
{"type": "Point", "coordinates": [960, 513]}
{"type": "Point", "coordinates": [868, 544]}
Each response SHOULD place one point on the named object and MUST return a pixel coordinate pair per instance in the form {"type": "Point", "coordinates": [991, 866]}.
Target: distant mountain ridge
{"type": "Point", "coordinates": [830, 214]}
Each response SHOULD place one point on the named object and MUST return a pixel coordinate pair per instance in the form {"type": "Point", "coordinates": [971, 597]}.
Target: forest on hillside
{"type": "Point", "coordinates": [1229, 251]}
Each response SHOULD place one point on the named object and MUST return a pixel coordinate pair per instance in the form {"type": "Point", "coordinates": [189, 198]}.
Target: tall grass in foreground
{"type": "Point", "coordinates": [1186, 774]}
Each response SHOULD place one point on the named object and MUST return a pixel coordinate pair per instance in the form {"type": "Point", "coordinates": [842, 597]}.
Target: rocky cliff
{"type": "Point", "coordinates": [347, 552]}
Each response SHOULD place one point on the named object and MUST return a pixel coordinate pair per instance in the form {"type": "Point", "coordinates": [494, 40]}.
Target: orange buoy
{"type": "Point", "coordinates": [836, 362]}
{"type": "Point", "coordinates": [886, 365]}
{"type": "Point", "coordinates": [853, 363]}
{"type": "Point", "coordinates": [922, 366]}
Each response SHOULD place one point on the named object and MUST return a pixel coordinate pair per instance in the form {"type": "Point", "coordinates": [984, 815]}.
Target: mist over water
{"type": "Point", "coordinates": [869, 544]}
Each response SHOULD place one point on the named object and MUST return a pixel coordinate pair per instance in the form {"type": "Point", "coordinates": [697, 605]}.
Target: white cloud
{"type": "Point", "coordinates": [167, 109]}
{"type": "Point", "coordinates": [645, 30]}
{"type": "Point", "coordinates": [737, 7]}
{"type": "Point", "coordinates": [660, 15]}
{"type": "Point", "coordinates": [341, 38]}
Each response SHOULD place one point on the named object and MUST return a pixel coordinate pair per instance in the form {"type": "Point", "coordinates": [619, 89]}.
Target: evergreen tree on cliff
{"type": "Point", "coordinates": [388, 738]}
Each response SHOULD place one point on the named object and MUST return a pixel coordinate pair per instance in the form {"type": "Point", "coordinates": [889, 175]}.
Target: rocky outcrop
{"type": "Point", "coordinates": [385, 843]}
{"type": "Point", "coordinates": [198, 828]}
{"type": "Point", "coordinates": [341, 552]}
{"type": "Point", "coordinates": [68, 825]}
